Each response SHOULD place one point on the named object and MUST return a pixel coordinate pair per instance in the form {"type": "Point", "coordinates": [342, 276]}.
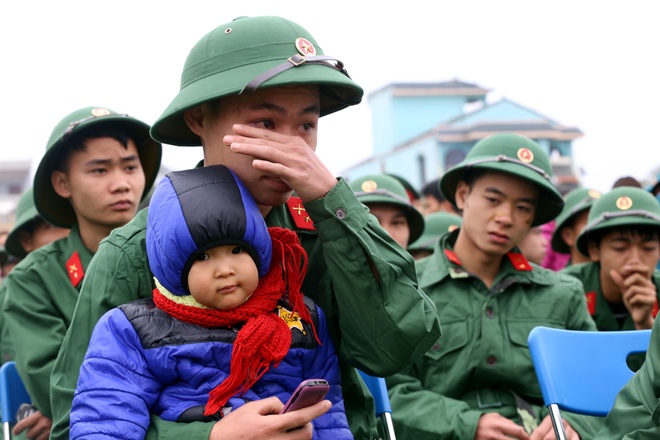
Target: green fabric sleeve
{"type": "Point", "coordinates": [161, 429]}
{"type": "Point", "coordinates": [117, 274]}
{"type": "Point", "coordinates": [385, 320]}
{"type": "Point", "coordinates": [422, 414]}
{"type": "Point", "coordinates": [38, 329]}
{"type": "Point", "coordinates": [636, 411]}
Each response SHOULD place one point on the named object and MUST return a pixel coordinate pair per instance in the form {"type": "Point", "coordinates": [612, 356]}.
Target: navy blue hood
{"type": "Point", "coordinates": [194, 210]}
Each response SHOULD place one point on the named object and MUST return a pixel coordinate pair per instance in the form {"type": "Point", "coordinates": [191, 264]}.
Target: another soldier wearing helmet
{"type": "Point", "coordinates": [571, 221]}
{"type": "Point", "coordinates": [97, 166]}
{"type": "Point", "coordinates": [387, 200]}
{"type": "Point", "coordinates": [478, 380]}
{"type": "Point", "coordinates": [622, 240]}
{"type": "Point", "coordinates": [252, 92]}
{"type": "Point", "coordinates": [436, 224]}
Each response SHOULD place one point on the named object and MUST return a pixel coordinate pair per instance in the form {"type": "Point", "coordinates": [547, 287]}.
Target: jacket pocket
{"type": "Point", "coordinates": [454, 337]}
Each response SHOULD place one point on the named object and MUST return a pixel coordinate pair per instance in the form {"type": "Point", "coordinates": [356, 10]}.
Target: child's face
{"type": "Point", "coordinates": [223, 277]}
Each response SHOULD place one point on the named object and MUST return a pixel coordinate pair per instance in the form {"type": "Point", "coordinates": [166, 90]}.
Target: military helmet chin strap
{"type": "Point", "coordinates": [294, 61]}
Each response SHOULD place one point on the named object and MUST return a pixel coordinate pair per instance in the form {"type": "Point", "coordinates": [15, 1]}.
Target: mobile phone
{"type": "Point", "coordinates": [25, 410]}
{"type": "Point", "coordinates": [308, 393]}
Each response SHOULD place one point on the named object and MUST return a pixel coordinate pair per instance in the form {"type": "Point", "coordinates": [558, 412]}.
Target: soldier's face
{"type": "Point", "coordinates": [104, 183]}
{"type": "Point", "coordinates": [498, 211]}
{"type": "Point", "coordinates": [289, 111]}
{"type": "Point", "coordinates": [627, 253]}
{"type": "Point", "coordinates": [393, 219]}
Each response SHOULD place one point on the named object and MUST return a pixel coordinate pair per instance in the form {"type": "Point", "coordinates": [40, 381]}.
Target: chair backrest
{"type": "Point", "coordinates": [583, 371]}
{"type": "Point", "coordinates": [378, 390]}
{"type": "Point", "coordinates": [12, 392]}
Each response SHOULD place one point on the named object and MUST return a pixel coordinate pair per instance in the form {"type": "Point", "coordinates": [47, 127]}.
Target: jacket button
{"type": "Point", "coordinates": [492, 360]}
{"type": "Point", "coordinates": [490, 313]}
{"type": "Point", "coordinates": [340, 213]}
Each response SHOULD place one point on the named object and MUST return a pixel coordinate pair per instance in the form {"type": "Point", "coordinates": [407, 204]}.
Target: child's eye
{"type": "Point", "coordinates": [237, 250]}
{"type": "Point", "coordinates": [202, 257]}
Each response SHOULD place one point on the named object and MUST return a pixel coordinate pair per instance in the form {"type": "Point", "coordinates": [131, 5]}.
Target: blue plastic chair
{"type": "Point", "coordinates": [378, 390]}
{"type": "Point", "coordinates": [582, 371]}
{"type": "Point", "coordinates": [12, 395]}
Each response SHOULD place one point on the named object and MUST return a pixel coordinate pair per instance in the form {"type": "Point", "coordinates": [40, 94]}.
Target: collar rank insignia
{"type": "Point", "coordinates": [591, 302]}
{"type": "Point", "coordinates": [74, 269]}
{"type": "Point", "coordinates": [291, 319]}
{"type": "Point", "coordinates": [519, 262]}
{"type": "Point", "coordinates": [299, 214]}
{"type": "Point", "coordinates": [451, 256]}
{"type": "Point", "coordinates": [654, 310]}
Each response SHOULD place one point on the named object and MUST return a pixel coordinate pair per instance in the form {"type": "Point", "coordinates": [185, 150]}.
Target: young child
{"type": "Point", "coordinates": [227, 323]}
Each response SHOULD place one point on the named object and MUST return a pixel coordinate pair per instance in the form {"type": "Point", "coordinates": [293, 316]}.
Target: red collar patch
{"type": "Point", "coordinates": [519, 262]}
{"type": "Point", "coordinates": [654, 311]}
{"type": "Point", "coordinates": [591, 302]}
{"type": "Point", "coordinates": [451, 256]}
{"type": "Point", "coordinates": [299, 214]}
{"type": "Point", "coordinates": [74, 269]}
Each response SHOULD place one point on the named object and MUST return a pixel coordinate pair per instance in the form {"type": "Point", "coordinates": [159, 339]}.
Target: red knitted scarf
{"type": "Point", "coordinates": [265, 338]}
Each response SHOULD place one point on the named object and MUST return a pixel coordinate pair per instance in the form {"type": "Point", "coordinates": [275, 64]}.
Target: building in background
{"type": "Point", "coordinates": [14, 179]}
{"type": "Point", "coordinates": [421, 129]}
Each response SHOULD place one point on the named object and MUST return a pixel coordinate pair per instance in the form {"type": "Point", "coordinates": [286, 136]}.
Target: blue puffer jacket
{"type": "Point", "coordinates": [142, 361]}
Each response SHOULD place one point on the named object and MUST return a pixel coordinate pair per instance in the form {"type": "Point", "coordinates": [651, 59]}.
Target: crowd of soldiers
{"type": "Point", "coordinates": [436, 290]}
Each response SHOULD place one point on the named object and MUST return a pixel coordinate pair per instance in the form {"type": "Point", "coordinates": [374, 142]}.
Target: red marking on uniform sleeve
{"type": "Point", "coordinates": [519, 262]}
{"type": "Point", "coordinates": [74, 269]}
{"type": "Point", "coordinates": [299, 214]}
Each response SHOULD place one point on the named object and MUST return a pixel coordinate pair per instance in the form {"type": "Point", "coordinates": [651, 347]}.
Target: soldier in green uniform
{"type": "Point", "coordinates": [622, 239]}
{"type": "Point", "coordinates": [388, 200]}
{"type": "Point", "coordinates": [30, 232]}
{"type": "Point", "coordinates": [478, 380]}
{"type": "Point", "coordinates": [252, 92]}
{"type": "Point", "coordinates": [636, 411]}
{"type": "Point", "coordinates": [436, 224]}
{"type": "Point", "coordinates": [91, 178]}
{"type": "Point", "coordinates": [571, 221]}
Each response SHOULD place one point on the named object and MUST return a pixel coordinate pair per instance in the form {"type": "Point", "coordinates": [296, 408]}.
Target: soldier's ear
{"type": "Point", "coordinates": [462, 192]}
{"type": "Point", "coordinates": [60, 184]}
{"type": "Point", "coordinates": [194, 119]}
{"type": "Point", "coordinates": [594, 250]}
{"type": "Point", "coordinates": [568, 235]}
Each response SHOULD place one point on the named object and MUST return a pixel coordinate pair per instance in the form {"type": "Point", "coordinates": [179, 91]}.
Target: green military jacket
{"type": "Point", "coordinates": [482, 362]}
{"type": "Point", "coordinates": [378, 318]}
{"type": "Point", "coordinates": [636, 411]}
{"type": "Point", "coordinates": [42, 291]}
{"type": "Point", "coordinates": [589, 274]}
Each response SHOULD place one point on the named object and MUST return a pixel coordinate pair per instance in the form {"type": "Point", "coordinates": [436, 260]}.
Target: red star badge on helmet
{"type": "Point", "coordinates": [305, 47]}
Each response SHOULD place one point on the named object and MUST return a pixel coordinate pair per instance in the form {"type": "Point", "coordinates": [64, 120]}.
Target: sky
{"type": "Point", "coordinates": [590, 65]}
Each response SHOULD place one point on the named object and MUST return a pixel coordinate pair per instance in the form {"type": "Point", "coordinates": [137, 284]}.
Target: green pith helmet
{"type": "Point", "coordinates": [575, 202]}
{"type": "Point", "coordinates": [436, 224]}
{"type": "Point", "coordinates": [57, 210]}
{"type": "Point", "coordinates": [622, 207]}
{"type": "Point", "coordinates": [381, 188]}
{"type": "Point", "coordinates": [413, 194]}
{"type": "Point", "coordinates": [249, 53]}
{"type": "Point", "coordinates": [25, 213]}
{"type": "Point", "coordinates": [512, 154]}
